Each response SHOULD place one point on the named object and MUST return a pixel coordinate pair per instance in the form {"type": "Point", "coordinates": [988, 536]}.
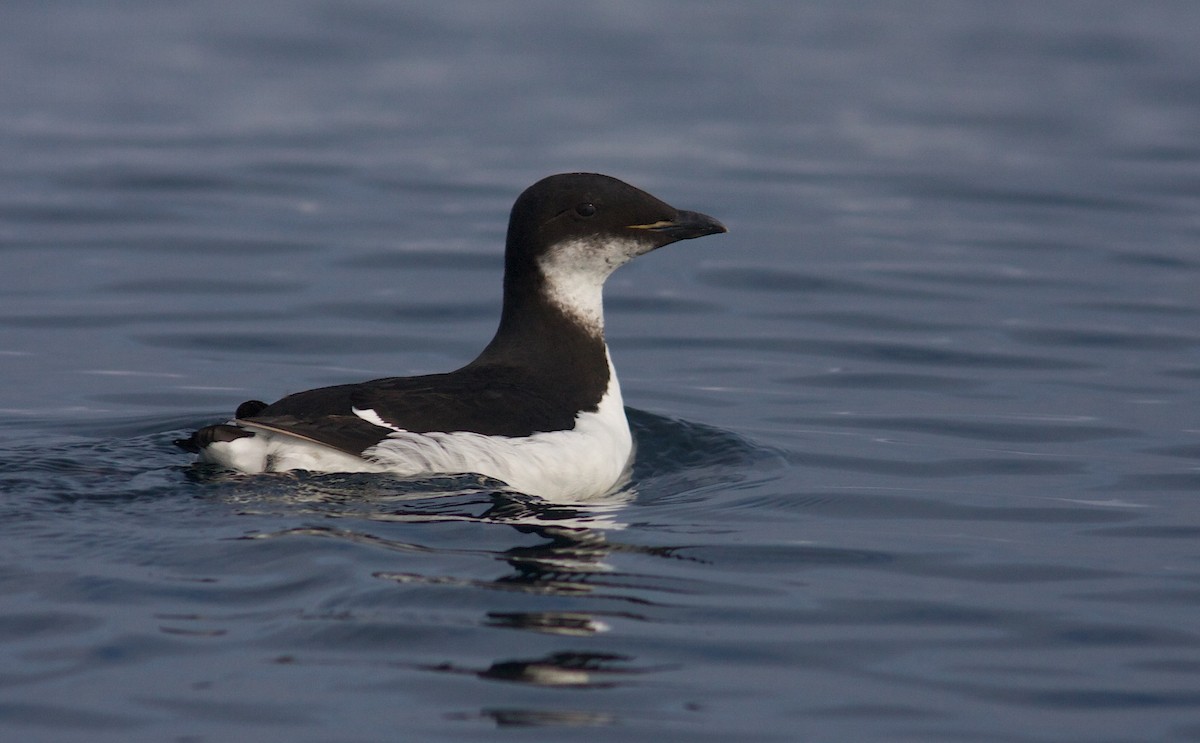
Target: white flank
{"type": "Point", "coordinates": [270, 451]}
{"type": "Point", "coordinates": [585, 462]}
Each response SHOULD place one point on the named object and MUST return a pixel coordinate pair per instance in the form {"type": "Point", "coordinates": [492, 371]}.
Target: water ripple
{"type": "Point", "coordinates": [1030, 430]}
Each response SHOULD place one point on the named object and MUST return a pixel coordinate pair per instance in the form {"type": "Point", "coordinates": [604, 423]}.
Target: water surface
{"type": "Point", "coordinates": [918, 439]}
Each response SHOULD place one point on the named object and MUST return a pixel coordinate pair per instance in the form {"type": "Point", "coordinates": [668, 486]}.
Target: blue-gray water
{"type": "Point", "coordinates": [919, 440]}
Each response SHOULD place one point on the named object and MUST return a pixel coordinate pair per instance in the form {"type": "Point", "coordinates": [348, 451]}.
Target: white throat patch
{"type": "Point", "coordinates": [575, 272]}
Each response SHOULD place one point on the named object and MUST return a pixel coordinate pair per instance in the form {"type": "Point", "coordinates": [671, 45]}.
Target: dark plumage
{"type": "Point", "coordinates": [547, 363]}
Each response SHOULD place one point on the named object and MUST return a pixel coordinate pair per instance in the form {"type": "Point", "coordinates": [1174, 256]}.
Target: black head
{"type": "Point", "coordinates": [567, 233]}
{"type": "Point", "coordinates": [598, 209]}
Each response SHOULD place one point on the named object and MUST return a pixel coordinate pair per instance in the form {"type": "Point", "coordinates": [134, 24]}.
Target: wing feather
{"type": "Point", "coordinates": [494, 401]}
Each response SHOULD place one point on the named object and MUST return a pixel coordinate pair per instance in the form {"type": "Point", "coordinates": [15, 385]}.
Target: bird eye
{"type": "Point", "coordinates": [585, 209]}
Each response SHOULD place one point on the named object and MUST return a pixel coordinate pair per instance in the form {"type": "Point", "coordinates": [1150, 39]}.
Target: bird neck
{"type": "Point", "coordinates": [550, 326]}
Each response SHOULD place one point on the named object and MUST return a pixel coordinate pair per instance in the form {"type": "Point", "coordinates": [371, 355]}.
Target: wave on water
{"type": "Point", "coordinates": [130, 459]}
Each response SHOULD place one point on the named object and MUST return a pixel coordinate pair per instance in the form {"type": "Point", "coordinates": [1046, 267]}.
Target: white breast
{"type": "Point", "coordinates": [587, 461]}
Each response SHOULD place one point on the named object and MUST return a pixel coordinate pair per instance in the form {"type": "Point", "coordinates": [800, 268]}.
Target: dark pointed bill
{"type": "Point", "coordinates": [684, 226]}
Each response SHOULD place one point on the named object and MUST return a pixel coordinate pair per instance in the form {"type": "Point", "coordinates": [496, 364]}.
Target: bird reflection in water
{"type": "Point", "coordinates": [570, 560]}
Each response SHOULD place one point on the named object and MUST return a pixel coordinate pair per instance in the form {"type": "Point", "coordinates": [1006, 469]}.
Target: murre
{"type": "Point", "coordinates": [539, 409]}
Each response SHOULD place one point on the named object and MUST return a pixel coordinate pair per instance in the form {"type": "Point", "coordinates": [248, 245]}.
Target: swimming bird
{"type": "Point", "coordinates": [539, 409]}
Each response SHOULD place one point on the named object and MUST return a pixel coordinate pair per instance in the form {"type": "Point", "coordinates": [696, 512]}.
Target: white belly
{"type": "Point", "coordinates": [587, 461]}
